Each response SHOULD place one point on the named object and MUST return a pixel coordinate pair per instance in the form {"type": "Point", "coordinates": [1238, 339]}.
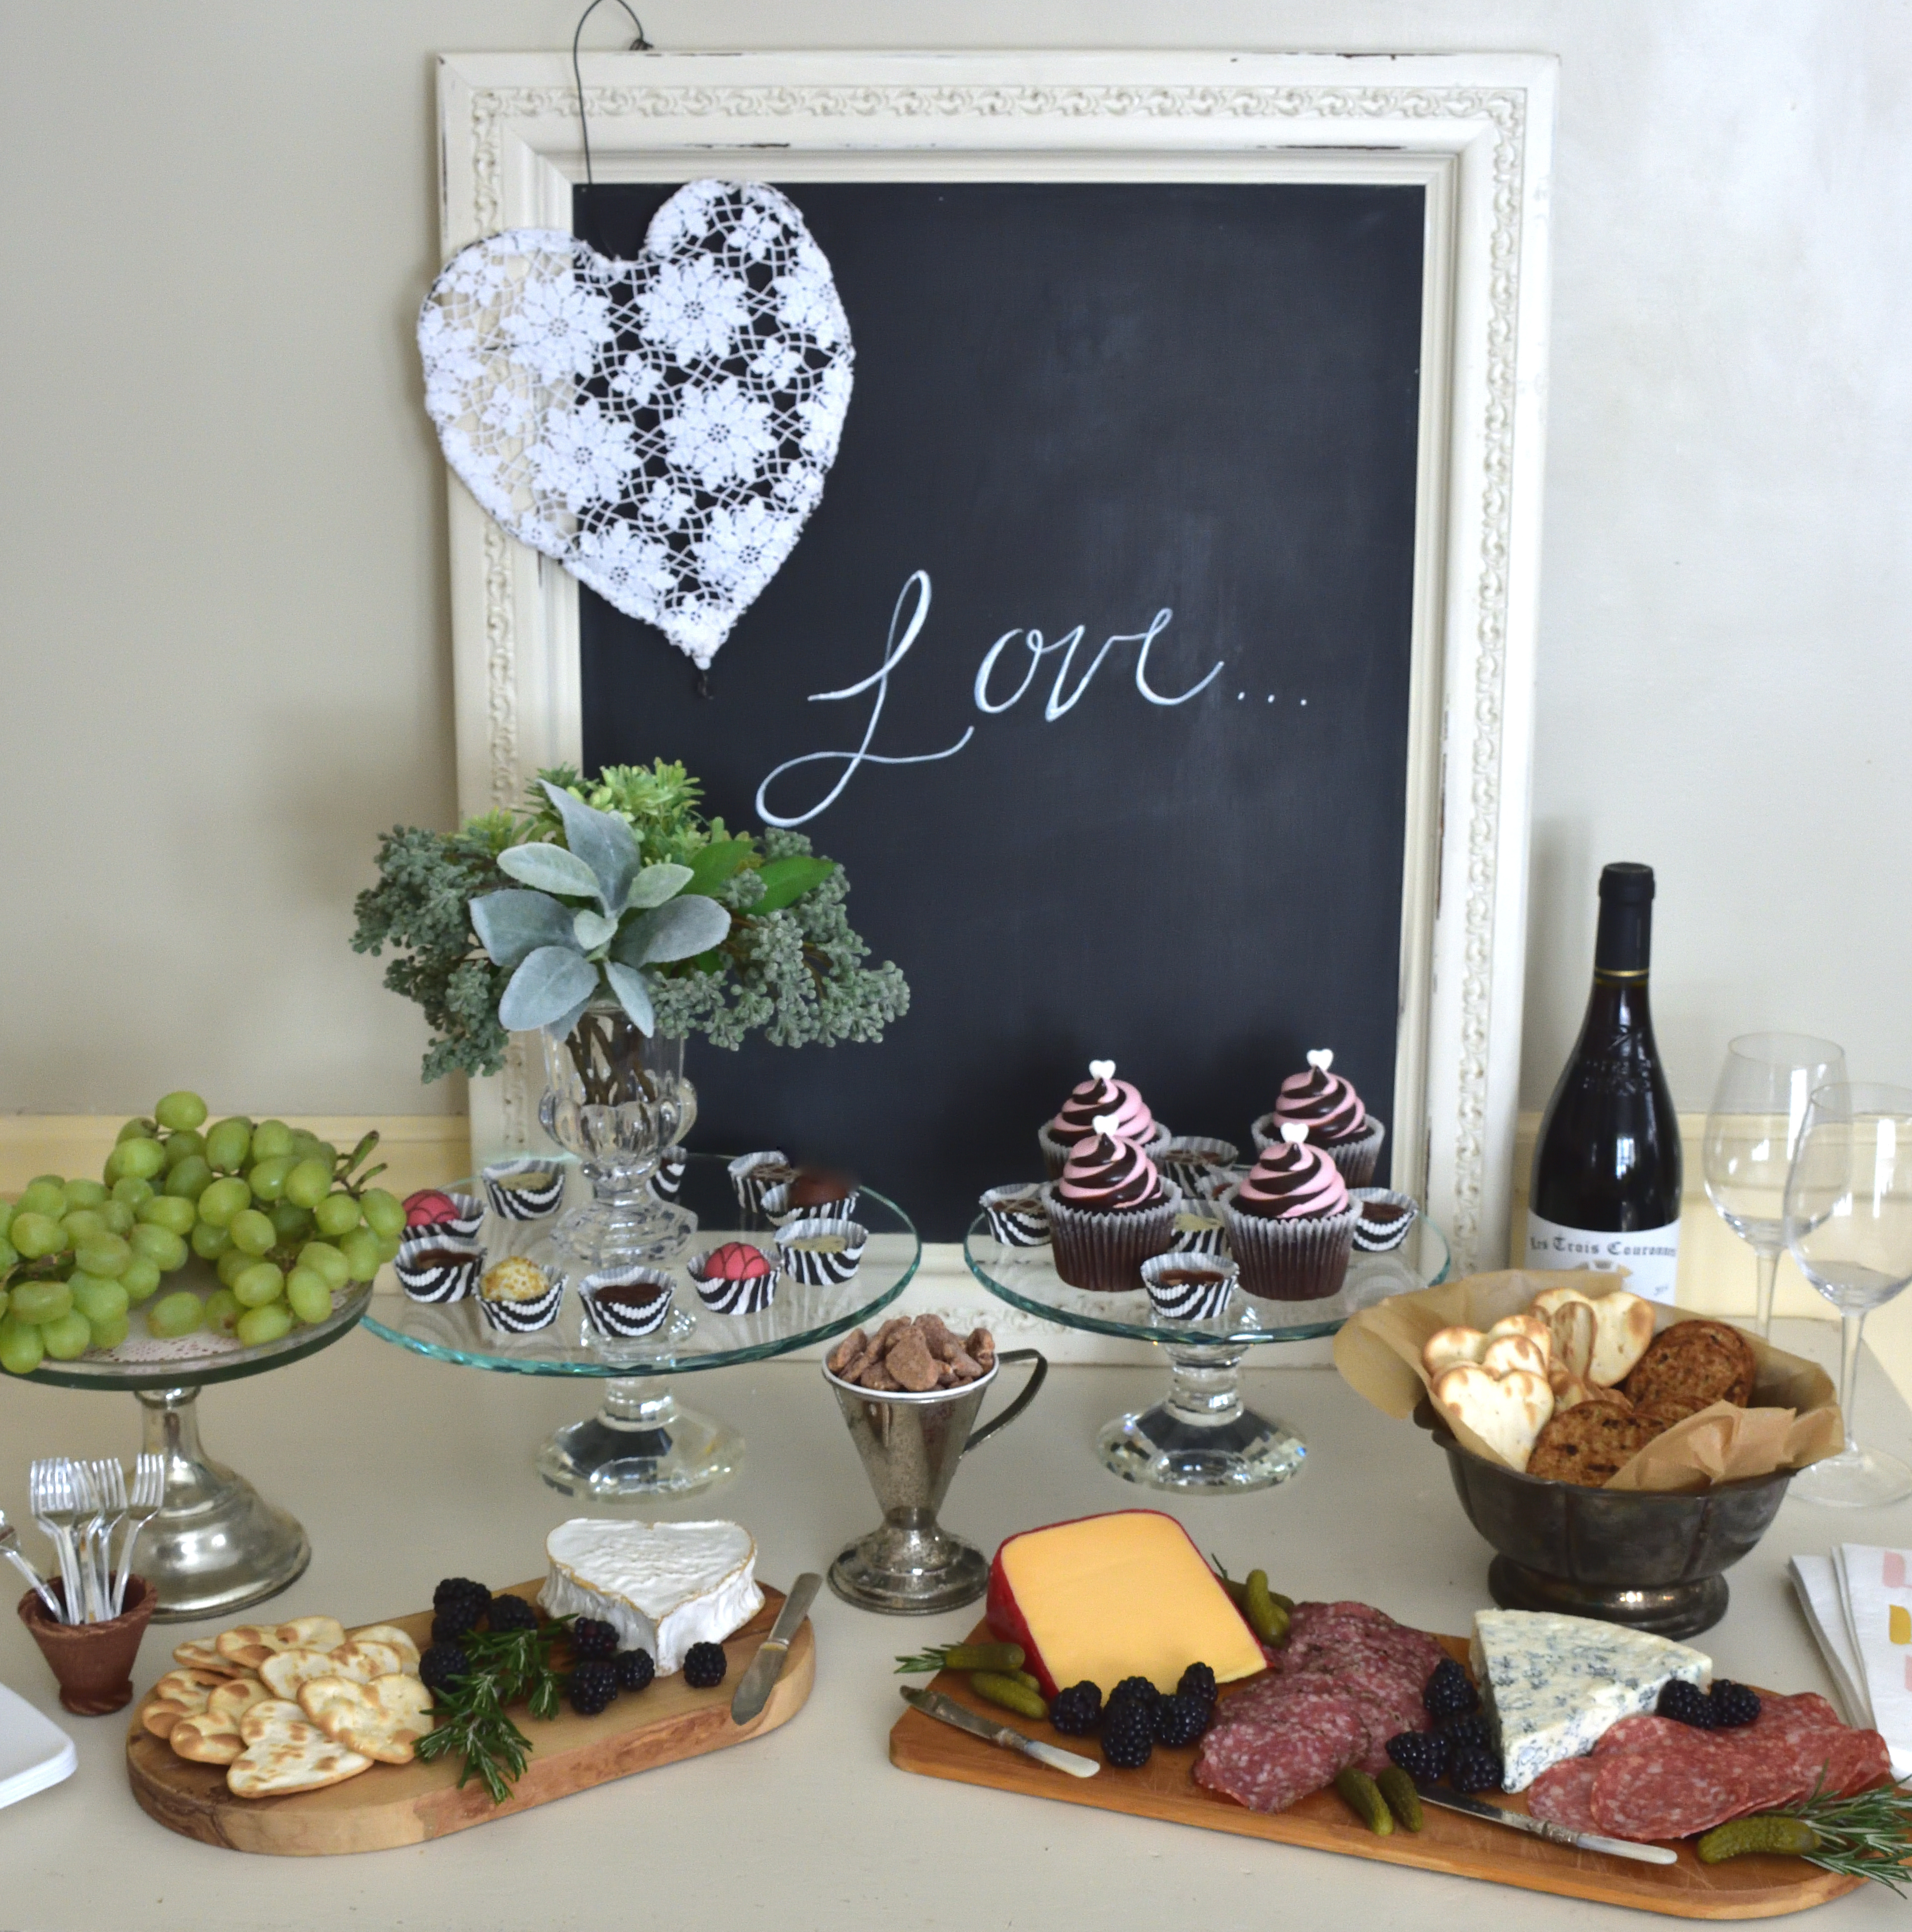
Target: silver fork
{"type": "Point", "coordinates": [9, 1547]}
{"type": "Point", "coordinates": [86, 1534]}
{"type": "Point", "coordinates": [56, 1507]}
{"type": "Point", "coordinates": [109, 1487]}
{"type": "Point", "coordinates": [148, 1495]}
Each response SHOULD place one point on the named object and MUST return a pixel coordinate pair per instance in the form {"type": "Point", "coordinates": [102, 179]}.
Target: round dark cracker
{"type": "Point", "coordinates": [1698, 1361]}
{"type": "Point", "coordinates": [1587, 1444]}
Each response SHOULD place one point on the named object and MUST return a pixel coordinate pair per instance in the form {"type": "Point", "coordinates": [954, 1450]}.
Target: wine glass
{"type": "Point", "coordinates": [1848, 1224]}
{"type": "Point", "coordinates": [1758, 1108]}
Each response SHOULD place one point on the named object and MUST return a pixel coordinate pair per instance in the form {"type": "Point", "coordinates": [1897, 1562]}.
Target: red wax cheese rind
{"type": "Point", "coordinates": [736, 1261]}
{"type": "Point", "coordinates": [1126, 1594]}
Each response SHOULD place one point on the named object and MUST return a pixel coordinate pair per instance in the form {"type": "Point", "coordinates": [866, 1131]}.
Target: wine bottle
{"type": "Point", "coordinates": [1607, 1168]}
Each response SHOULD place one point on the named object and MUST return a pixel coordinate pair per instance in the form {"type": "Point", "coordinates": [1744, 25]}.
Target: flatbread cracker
{"type": "Point", "coordinates": [400, 1641]}
{"type": "Point", "coordinates": [250, 1645]}
{"type": "Point", "coordinates": [384, 1719]}
{"type": "Point", "coordinates": [285, 1752]}
{"type": "Point", "coordinates": [179, 1693]}
{"type": "Point", "coordinates": [199, 1654]}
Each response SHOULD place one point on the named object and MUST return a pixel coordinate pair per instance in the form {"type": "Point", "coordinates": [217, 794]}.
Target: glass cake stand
{"type": "Point", "coordinates": [643, 1441]}
{"type": "Point", "coordinates": [216, 1544]}
{"type": "Point", "coordinates": [1201, 1437]}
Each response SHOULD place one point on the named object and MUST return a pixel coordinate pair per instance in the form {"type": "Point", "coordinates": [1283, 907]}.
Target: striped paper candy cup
{"type": "Point", "coordinates": [824, 1266]}
{"type": "Point", "coordinates": [526, 1189]}
{"type": "Point", "coordinates": [1377, 1236]}
{"type": "Point", "coordinates": [666, 1179]}
{"type": "Point", "coordinates": [776, 1206]}
{"type": "Point", "coordinates": [1192, 1163]}
{"type": "Point", "coordinates": [437, 1211]}
{"type": "Point", "coordinates": [432, 1266]}
{"type": "Point", "coordinates": [528, 1316]}
{"type": "Point", "coordinates": [1199, 1230]}
{"type": "Point", "coordinates": [751, 1173]}
{"type": "Point", "coordinates": [1018, 1218]}
{"type": "Point", "coordinates": [725, 1295]}
{"type": "Point", "coordinates": [625, 1302]}
{"type": "Point", "coordinates": [1200, 1299]}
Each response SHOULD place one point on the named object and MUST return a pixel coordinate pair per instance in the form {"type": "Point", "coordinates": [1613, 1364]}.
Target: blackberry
{"type": "Point", "coordinates": [705, 1666]}
{"type": "Point", "coordinates": [1128, 1734]}
{"type": "Point", "coordinates": [635, 1668]}
{"type": "Point", "coordinates": [1733, 1705]}
{"type": "Point", "coordinates": [512, 1613]}
{"type": "Point", "coordinates": [1448, 1693]}
{"type": "Point", "coordinates": [1134, 1690]}
{"type": "Point", "coordinates": [459, 1605]}
{"type": "Point", "coordinates": [1423, 1755]}
{"type": "Point", "coordinates": [590, 1639]}
{"type": "Point", "coordinates": [1077, 1711]}
{"type": "Point", "coordinates": [1685, 1704]}
{"type": "Point", "coordinates": [442, 1666]}
{"type": "Point", "coordinates": [1475, 1769]}
{"type": "Point", "coordinates": [1467, 1733]}
{"type": "Point", "coordinates": [1197, 1680]}
{"type": "Point", "coordinates": [593, 1685]}
{"type": "Point", "coordinates": [1181, 1720]}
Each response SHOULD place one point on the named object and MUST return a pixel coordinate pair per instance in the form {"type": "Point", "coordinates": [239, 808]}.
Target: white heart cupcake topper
{"type": "Point", "coordinates": [1294, 1132]}
{"type": "Point", "coordinates": [1102, 1069]}
{"type": "Point", "coordinates": [1106, 1123]}
{"type": "Point", "coordinates": [661, 428]}
{"type": "Point", "coordinates": [1320, 1059]}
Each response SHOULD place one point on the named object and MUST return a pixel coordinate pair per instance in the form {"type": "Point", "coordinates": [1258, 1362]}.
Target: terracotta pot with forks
{"type": "Point", "coordinates": [93, 1663]}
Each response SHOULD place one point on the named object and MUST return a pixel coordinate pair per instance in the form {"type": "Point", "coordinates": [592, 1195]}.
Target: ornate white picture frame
{"type": "Point", "coordinates": [1475, 130]}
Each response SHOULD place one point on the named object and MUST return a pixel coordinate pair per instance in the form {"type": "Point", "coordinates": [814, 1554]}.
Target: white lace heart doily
{"type": "Point", "coordinates": [661, 428]}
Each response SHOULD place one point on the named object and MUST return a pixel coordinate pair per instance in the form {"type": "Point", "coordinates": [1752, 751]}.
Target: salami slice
{"type": "Point", "coordinates": [1659, 1792]}
{"type": "Point", "coordinates": [1562, 1794]}
{"type": "Point", "coordinates": [1269, 1764]}
{"type": "Point", "coordinates": [1644, 1729]}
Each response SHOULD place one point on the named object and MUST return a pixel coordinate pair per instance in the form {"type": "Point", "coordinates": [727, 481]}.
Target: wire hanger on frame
{"type": "Point", "coordinates": [640, 45]}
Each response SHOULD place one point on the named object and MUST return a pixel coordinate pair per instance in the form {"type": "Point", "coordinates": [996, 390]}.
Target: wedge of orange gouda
{"type": "Point", "coordinates": [1105, 1597]}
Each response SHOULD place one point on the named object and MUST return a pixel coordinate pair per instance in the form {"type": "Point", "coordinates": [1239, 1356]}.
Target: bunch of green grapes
{"type": "Point", "coordinates": [286, 1220]}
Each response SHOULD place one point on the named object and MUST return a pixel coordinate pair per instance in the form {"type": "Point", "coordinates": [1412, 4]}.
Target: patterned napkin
{"type": "Point", "coordinates": [1864, 1625]}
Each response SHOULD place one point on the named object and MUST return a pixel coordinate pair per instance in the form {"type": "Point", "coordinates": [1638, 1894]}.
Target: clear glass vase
{"type": "Point", "coordinates": [619, 1100]}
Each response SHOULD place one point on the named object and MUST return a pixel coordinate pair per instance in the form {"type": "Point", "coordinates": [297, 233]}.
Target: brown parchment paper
{"type": "Point", "coordinates": [1795, 1419]}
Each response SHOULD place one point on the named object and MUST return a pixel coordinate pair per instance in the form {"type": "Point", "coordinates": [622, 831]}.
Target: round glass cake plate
{"type": "Point", "coordinates": [1202, 1438]}
{"type": "Point", "coordinates": [217, 1545]}
{"type": "Point", "coordinates": [643, 1441]}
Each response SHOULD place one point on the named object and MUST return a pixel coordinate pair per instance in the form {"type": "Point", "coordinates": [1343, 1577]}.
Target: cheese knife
{"type": "Point", "coordinates": [947, 1711]}
{"type": "Point", "coordinates": [754, 1687]}
{"type": "Point", "coordinates": [1555, 1834]}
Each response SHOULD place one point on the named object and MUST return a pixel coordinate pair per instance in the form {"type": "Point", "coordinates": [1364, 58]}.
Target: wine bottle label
{"type": "Point", "coordinates": [1650, 1255]}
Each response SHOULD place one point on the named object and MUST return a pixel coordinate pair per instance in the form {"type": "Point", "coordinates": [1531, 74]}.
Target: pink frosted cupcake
{"type": "Point", "coordinates": [1110, 1212]}
{"type": "Point", "coordinates": [1328, 1105]}
{"type": "Point", "coordinates": [1291, 1223]}
{"type": "Point", "coordinates": [1101, 1096]}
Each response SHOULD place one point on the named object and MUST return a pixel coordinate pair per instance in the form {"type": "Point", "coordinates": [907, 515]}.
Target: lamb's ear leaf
{"type": "Point", "coordinates": [633, 995]}
{"type": "Point", "coordinates": [511, 926]}
{"type": "Point", "coordinates": [549, 868]}
{"type": "Point", "coordinates": [603, 841]}
{"type": "Point", "coordinates": [655, 884]}
{"type": "Point", "coordinates": [546, 986]}
{"type": "Point", "coordinates": [786, 880]}
{"type": "Point", "coordinates": [591, 929]}
{"type": "Point", "coordinates": [680, 928]}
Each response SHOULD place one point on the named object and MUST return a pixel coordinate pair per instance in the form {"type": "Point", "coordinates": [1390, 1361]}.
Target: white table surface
{"type": "Point", "coordinates": [405, 1470]}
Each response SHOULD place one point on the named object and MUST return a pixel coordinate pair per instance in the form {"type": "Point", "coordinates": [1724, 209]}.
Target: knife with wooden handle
{"type": "Point", "coordinates": [754, 1687]}
{"type": "Point", "coordinates": [947, 1711]}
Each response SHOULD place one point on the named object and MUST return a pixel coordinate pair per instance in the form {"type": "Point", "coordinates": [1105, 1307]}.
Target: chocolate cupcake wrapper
{"type": "Point", "coordinates": [667, 1180]}
{"type": "Point", "coordinates": [1210, 1238]}
{"type": "Point", "coordinates": [1191, 1162]}
{"type": "Point", "coordinates": [1018, 1217]}
{"type": "Point", "coordinates": [525, 1318]}
{"type": "Point", "coordinates": [1188, 1301]}
{"type": "Point", "coordinates": [625, 1321]}
{"type": "Point", "coordinates": [1355, 1158]}
{"type": "Point", "coordinates": [1304, 1259]}
{"type": "Point", "coordinates": [1104, 1251]}
{"type": "Point", "coordinates": [432, 1267]}
{"type": "Point", "coordinates": [776, 1205]}
{"type": "Point", "coordinates": [512, 1202]}
{"type": "Point", "coordinates": [1379, 1237]}
{"type": "Point", "coordinates": [821, 1268]}
{"type": "Point", "coordinates": [1055, 1153]}
{"type": "Point", "coordinates": [734, 1297]}
{"type": "Point", "coordinates": [462, 1226]}
{"type": "Point", "coordinates": [744, 1172]}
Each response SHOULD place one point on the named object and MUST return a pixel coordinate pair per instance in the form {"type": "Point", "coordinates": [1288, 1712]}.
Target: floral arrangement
{"type": "Point", "coordinates": [618, 888]}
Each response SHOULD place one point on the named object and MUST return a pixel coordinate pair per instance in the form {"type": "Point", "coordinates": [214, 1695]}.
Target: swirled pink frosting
{"type": "Point", "coordinates": [1327, 1105]}
{"type": "Point", "coordinates": [1290, 1181]}
{"type": "Point", "coordinates": [1107, 1175]}
{"type": "Point", "coordinates": [1093, 1097]}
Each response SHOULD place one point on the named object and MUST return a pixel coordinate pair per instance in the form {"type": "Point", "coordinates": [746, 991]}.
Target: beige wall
{"type": "Point", "coordinates": [225, 637]}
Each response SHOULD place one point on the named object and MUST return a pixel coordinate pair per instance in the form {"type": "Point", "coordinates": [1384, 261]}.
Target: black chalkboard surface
{"type": "Point", "coordinates": [1077, 406]}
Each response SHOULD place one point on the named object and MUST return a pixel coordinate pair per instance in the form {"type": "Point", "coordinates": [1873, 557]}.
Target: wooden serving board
{"type": "Point", "coordinates": [405, 1804]}
{"type": "Point", "coordinates": [1754, 1887]}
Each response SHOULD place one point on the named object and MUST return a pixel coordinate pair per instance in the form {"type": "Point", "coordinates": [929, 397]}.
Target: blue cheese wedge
{"type": "Point", "coordinates": [662, 1586]}
{"type": "Point", "coordinates": [1551, 1685]}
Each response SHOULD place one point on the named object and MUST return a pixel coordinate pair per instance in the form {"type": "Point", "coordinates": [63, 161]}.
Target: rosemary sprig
{"type": "Point", "coordinates": [506, 1667]}
{"type": "Point", "coordinates": [1866, 1836]}
{"type": "Point", "coordinates": [936, 1658]}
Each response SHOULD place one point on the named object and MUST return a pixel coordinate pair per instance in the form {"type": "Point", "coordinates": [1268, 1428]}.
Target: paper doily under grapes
{"type": "Point", "coordinates": [661, 428]}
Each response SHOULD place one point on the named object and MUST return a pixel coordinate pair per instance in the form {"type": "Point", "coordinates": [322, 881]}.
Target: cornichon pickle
{"type": "Point", "coordinates": [1266, 1618]}
{"type": "Point", "coordinates": [1283, 1603]}
{"type": "Point", "coordinates": [1774, 1832]}
{"type": "Point", "coordinates": [1362, 1796]}
{"type": "Point", "coordinates": [1404, 1800]}
{"type": "Point", "coordinates": [1027, 1678]}
{"type": "Point", "coordinates": [1004, 1656]}
{"type": "Point", "coordinates": [1010, 1693]}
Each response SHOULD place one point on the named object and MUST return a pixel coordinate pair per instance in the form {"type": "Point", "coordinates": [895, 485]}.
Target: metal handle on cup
{"type": "Point", "coordinates": [1022, 1401]}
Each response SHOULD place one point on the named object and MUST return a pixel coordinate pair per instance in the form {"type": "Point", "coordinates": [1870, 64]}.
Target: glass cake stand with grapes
{"type": "Point", "coordinates": [643, 1441]}
{"type": "Point", "coordinates": [1202, 1438]}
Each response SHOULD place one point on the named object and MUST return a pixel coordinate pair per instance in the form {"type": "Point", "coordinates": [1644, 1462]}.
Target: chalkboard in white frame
{"type": "Point", "coordinates": [1474, 131]}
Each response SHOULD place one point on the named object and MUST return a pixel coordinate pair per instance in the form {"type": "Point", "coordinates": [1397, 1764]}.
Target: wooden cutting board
{"type": "Point", "coordinates": [1755, 1887]}
{"type": "Point", "coordinates": [405, 1804]}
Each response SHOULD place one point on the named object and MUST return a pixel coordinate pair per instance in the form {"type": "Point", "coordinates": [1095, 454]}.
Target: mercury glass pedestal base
{"type": "Point", "coordinates": [910, 1566]}
{"type": "Point", "coordinates": [642, 1443]}
{"type": "Point", "coordinates": [1203, 1438]}
{"type": "Point", "coordinates": [216, 1545]}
